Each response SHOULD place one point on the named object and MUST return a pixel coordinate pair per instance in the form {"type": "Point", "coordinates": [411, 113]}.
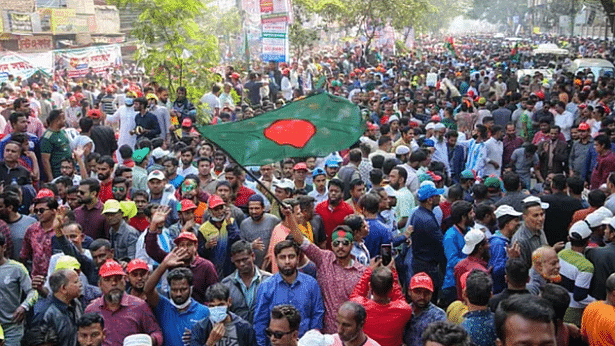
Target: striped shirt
{"type": "Point", "coordinates": [577, 272]}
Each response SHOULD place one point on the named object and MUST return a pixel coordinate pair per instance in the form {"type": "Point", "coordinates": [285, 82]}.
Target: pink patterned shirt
{"type": "Point", "coordinates": [37, 247]}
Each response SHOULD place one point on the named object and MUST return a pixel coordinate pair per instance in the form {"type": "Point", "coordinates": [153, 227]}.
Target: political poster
{"type": "Point", "coordinates": [77, 62]}
{"type": "Point", "coordinates": [24, 65]}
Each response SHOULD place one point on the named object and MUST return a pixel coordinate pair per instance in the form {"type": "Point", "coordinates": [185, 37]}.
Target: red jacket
{"type": "Point", "coordinates": [385, 323]}
{"type": "Point", "coordinates": [604, 166]}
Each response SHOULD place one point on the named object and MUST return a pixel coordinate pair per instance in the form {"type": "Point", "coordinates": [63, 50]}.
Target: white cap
{"type": "Point", "coordinates": [159, 153]}
{"type": "Point", "coordinates": [402, 150]}
{"type": "Point", "coordinates": [284, 184]}
{"type": "Point", "coordinates": [390, 191]}
{"type": "Point", "coordinates": [439, 126]}
{"type": "Point", "coordinates": [580, 230]}
{"type": "Point", "coordinates": [534, 199]}
{"type": "Point", "coordinates": [315, 338]}
{"type": "Point", "coordinates": [393, 118]}
{"type": "Point", "coordinates": [506, 210]}
{"type": "Point", "coordinates": [609, 221]}
{"type": "Point", "coordinates": [138, 340]}
{"type": "Point", "coordinates": [430, 126]}
{"type": "Point", "coordinates": [472, 238]}
{"type": "Point", "coordinates": [427, 182]}
{"type": "Point", "coordinates": [597, 216]}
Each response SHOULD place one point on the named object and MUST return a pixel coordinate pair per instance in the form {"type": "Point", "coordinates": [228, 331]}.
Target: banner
{"type": "Point", "coordinates": [35, 43]}
{"type": "Point", "coordinates": [79, 61]}
{"type": "Point", "coordinates": [24, 65]}
{"type": "Point", "coordinates": [276, 16]}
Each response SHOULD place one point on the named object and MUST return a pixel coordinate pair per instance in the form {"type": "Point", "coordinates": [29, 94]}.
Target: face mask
{"type": "Point", "coordinates": [407, 98]}
{"type": "Point", "coordinates": [181, 306]}
{"type": "Point", "coordinates": [217, 314]}
{"type": "Point", "coordinates": [216, 219]}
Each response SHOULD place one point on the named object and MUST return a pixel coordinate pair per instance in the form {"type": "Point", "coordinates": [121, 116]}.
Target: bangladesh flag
{"type": "Point", "coordinates": [449, 44]}
{"type": "Point", "coordinates": [317, 125]}
{"type": "Point", "coordinates": [514, 53]}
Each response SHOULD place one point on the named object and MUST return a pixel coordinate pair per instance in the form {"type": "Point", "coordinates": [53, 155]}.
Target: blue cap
{"type": "Point", "coordinates": [427, 191]}
{"type": "Point", "coordinates": [318, 171]}
{"type": "Point", "coordinates": [332, 162]}
{"type": "Point", "coordinates": [429, 143]}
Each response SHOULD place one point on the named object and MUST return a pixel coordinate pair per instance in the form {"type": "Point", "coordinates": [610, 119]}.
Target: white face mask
{"type": "Point", "coordinates": [217, 314]}
{"type": "Point", "coordinates": [181, 306]}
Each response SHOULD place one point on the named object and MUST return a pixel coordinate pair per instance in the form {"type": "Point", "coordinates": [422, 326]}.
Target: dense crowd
{"type": "Point", "coordinates": [476, 209]}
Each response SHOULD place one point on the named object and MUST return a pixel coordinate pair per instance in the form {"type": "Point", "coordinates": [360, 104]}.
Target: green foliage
{"type": "Point", "coordinates": [496, 11]}
{"type": "Point", "coordinates": [174, 49]}
{"type": "Point", "coordinates": [236, 98]}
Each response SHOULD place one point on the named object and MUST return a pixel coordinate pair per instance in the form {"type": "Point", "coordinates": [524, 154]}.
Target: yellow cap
{"type": "Point", "coordinates": [129, 208]}
{"type": "Point", "coordinates": [67, 262]}
{"type": "Point", "coordinates": [111, 206]}
{"type": "Point", "coordinates": [151, 96]}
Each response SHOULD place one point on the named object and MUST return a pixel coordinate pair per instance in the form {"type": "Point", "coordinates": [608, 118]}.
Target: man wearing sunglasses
{"type": "Point", "coordinates": [120, 189]}
{"type": "Point", "coordinates": [123, 237]}
{"type": "Point", "coordinates": [338, 270]}
{"type": "Point", "coordinates": [283, 327]}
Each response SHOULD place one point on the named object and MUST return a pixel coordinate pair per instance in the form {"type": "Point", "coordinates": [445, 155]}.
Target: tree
{"type": "Point", "coordinates": [497, 11]}
{"type": "Point", "coordinates": [174, 49]}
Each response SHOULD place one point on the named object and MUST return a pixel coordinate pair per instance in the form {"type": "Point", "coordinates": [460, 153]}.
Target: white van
{"type": "Point", "coordinates": [599, 67]}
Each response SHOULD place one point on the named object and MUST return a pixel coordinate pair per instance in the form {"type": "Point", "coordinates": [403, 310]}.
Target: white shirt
{"type": "Point", "coordinates": [287, 89]}
{"type": "Point", "coordinates": [126, 117]}
{"type": "Point", "coordinates": [212, 101]}
{"type": "Point", "coordinates": [494, 150]}
{"type": "Point", "coordinates": [564, 121]}
{"type": "Point", "coordinates": [185, 172]}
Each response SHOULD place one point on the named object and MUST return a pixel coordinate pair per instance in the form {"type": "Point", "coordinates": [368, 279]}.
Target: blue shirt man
{"type": "Point", "coordinates": [288, 286]}
{"type": "Point", "coordinates": [427, 249]}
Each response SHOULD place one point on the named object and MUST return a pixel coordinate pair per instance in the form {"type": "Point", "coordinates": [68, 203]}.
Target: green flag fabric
{"type": "Point", "coordinates": [315, 126]}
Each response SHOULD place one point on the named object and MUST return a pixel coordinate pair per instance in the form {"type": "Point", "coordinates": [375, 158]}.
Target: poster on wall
{"type": "Point", "coordinates": [77, 62]}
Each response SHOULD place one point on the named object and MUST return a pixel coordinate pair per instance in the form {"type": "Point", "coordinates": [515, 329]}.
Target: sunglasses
{"type": "Point", "coordinates": [344, 242]}
{"type": "Point", "coordinates": [118, 189]}
{"type": "Point", "coordinates": [187, 188]}
{"type": "Point", "coordinates": [40, 210]}
{"type": "Point", "coordinates": [277, 335]}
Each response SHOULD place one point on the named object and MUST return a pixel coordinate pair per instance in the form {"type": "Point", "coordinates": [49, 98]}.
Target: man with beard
{"type": "Point", "coordinates": [500, 247]}
{"type": "Point", "coordinates": [123, 237]}
{"type": "Point", "coordinates": [187, 158]}
{"type": "Point", "coordinates": [510, 143]}
{"type": "Point", "coordinates": [217, 235]}
{"type": "Point", "coordinates": [462, 217]}
{"type": "Point", "coordinates": [477, 249]}
{"type": "Point", "coordinates": [405, 200]}
{"type": "Point", "coordinates": [203, 271]}
{"type": "Point", "coordinates": [54, 145]}
{"type": "Point", "coordinates": [284, 288]}
{"type": "Point", "coordinates": [552, 153]}
{"type": "Point", "coordinates": [104, 169]}
{"type": "Point", "coordinates": [427, 250]}
{"type": "Point", "coordinates": [180, 311]}
{"type": "Point", "coordinates": [235, 176]}
{"type": "Point", "coordinates": [123, 314]}
{"type": "Point", "coordinates": [17, 223]}
{"type": "Point", "coordinates": [424, 312]}
{"type": "Point", "coordinates": [545, 269]}
{"type": "Point", "coordinates": [89, 214]}
{"type": "Point", "coordinates": [138, 273]}
{"type": "Point", "coordinates": [351, 319]}
{"type": "Point", "coordinates": [190, 191]}
{"type": "Point", "coordinates": [206, 181]}
{"type": "Point", "coordinates": [146, 123]}
{"type": "Point", "coordinates": [120, 189]}
{"type": "Point", "coordinates": [182, 107]}
{"type": "Point", "coordinates": [338, 272]}
{"type": "Point", "coordinates": [19, 122]}
{"type": "Point", "coordinates": [163, 194]}
{"type": "Point", "coordinates": [334, 209]}
{"type": "Point", "coordinates": [258, 227]}
{"type": "Point", "coordinates": [244, 282]}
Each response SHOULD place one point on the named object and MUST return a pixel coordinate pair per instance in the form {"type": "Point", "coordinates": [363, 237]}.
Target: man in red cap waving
{"type": "Point", "coordinates": [138, 273]}
{"type": "Point", "coordinates": [123, 314]}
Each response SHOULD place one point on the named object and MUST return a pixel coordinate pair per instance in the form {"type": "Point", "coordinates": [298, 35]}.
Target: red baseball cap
{"type": "Point", "coordinates": [421, 280]}
{"type": "Point", "coordinates": [214, 201]}
{"type": "Point", "coordinates": [110, 268]}
{"type": "Point", "coordinates": [435, 118]}
{"type": "Point", "coordinates": [583, 127]}
{"type": "Point", "coordinates": [186, 205]}
{"type": "Point", "coordinates": [300, 166]}
{"type": "Point", "coordinates": [95, 113]}
{"type": "Point", "coordinates": [44, 193]}
{"type": "Point", "coordinates": [187, 122]}
{"type": "Point", "coordinates": [135, 264]}
{"type": "Point", "coordinates": [187, 236]}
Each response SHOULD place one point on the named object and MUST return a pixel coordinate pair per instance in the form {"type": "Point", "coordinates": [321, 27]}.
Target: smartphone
{"type": "Point", "coordinates": [386, 251]}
